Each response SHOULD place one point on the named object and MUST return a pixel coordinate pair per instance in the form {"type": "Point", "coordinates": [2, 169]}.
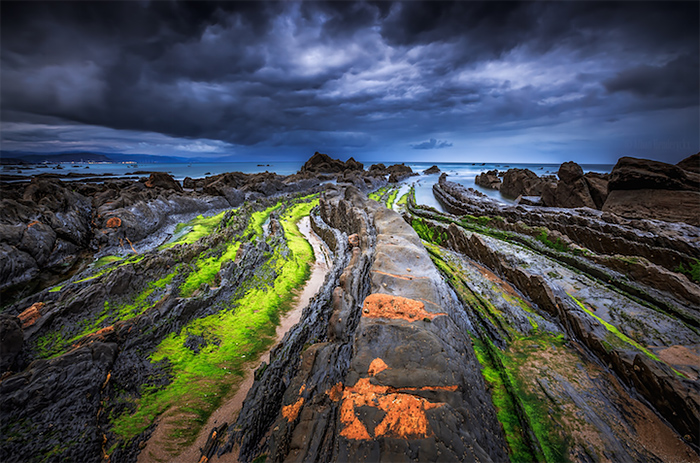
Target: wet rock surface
{"type": "Point", "coordinates": [393, 375]}
{"type": "Point", "coordinates": [489, 332]}
{"type": "Point", "coordinates": [623, 310]}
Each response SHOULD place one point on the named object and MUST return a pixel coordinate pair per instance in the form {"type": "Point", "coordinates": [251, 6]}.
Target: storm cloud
{"type": "Point", "coordinates": [551, 80]}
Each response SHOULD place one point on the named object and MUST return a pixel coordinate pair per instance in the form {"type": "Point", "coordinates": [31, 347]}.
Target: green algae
{"type": "Point", "coordinates": [56, 289]}
{"type": "Point", "coordinates": [57, 342]}
{"type": "Point", "coordinates": [391, 198]}
{"type": "Point", "coordinates": [503, 400]}
{"type": "Point", "coordinates": [104, 260]}
{"type": "Point", "coordinates": [106, 268]}
{"type": "Point", "coordinates": [617, 334]}
{"type": "Point", "coordinates": [692, 271]}
{"type": "Point", "coordinates": [386, 195]}
{"type": "Point", "coordinates": [235, 335]}
{"type": "Point", "coordinates": [557, 245]}
{"type": "Point", "coordinates": [526, 419]}
{"type": "Point", "coordinates": [429, 233]}
{"type": "Point", "coordinates": [209, 264]}
{"type": "Point", "coordinates": [192, 231]}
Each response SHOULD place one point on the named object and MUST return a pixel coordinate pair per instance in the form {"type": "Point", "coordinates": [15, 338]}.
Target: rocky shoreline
{"type": "Point", "coordinates": [565, 327]}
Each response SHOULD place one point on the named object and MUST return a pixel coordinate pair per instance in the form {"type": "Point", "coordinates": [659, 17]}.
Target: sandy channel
{"type": "Point", "coordinates": [154, 450]}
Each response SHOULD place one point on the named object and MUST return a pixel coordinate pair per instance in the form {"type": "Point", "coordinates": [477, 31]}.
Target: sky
{"type": "Point", "coordinates": [465, 81]}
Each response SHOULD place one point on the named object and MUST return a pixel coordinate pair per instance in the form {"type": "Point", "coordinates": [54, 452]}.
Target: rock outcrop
{"type": "Point", "coordinates": [377, 384]}
{"type": "Point", "coordinates": [432, 170]}
{"type": "Point", "coordinates": [691, 163]}
{"type": "Point", "coordinates": [518, 182]}
{"type": "Point", "coordinates": [644, 189]}
{"type": "Point", "coordinates": [163, 180]}
{"type": "Point", "coordinates": [489, 179]}
{"type": "Point", "coordinates": [571, 191]}
{"type": "Point", "coordinates": [322, 163]}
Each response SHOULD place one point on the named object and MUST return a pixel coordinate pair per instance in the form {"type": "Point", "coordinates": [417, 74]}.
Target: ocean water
{"type": "Point", "coordinates": [463, 173]}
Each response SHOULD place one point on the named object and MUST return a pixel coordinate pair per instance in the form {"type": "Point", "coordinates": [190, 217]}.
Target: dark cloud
{"type": "Point", "coordinates": [431, 144]}
{"type": "Point", "coordinates": [346, 75]}
{"type": "Point", "coordinates": [677, 78]}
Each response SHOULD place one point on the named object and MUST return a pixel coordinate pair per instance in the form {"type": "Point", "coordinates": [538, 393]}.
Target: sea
{"type": "Point", "coordinates": [463, 173]}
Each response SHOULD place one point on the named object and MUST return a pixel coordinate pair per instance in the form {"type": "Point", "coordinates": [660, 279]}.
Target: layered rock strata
{"type": "Point", "coordinates": [393, 377]}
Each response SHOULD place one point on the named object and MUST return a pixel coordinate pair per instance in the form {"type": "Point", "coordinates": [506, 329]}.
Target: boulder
{"type": "Point", "coordinates": [570, 172]}
{"type": "Point", "coordinates": [691, 163]}
{"type": "Point", "coordinates": [489, 179]}
{"type": "Point", "coordinates": [432, 170]}
{"type": "Point", "coordinates": [163, 180]}
{"type": "Point", "coordinates": [518, 182]}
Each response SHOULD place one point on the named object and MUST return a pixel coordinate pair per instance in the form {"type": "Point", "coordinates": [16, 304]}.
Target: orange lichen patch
{"type": "Point", "coordinates": [336, 392]}
{"type": "Point", "coordinates": [109, 376]}
{"type": "Point", "coordinates": [290, 412]}
{"type": "Point", "coordinates": [377, 366]}
{"type": "Point", "coordinates": [302, 389]}
{"type": "Point", "coordinates": [104, 331]}
{"type": "Point", "coordinates": [354, 429]}
{"type": "Point", "coordinates": [401, 277]}
{"type": "Point", "coordinates": [396, 307]}
{"type": "Point", "coordinates": [114, 222]}
{"type": "Point", "coordinates": [405, 413]}
{"type": "Point", "coordinates": [428, 388]}
{"type": "Point", "coordinates": [31, 314]}
{"type": "Point", "coordinates": [31, 224]}
{"type": "Point", "coordinates": [405, 417]}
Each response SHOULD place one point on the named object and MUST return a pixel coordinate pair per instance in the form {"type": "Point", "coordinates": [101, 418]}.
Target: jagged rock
{"type": "Point", "coordinates": [432, 170]}
{"type": "Point", "coordinates": [572, 189]}
{"type": "Point", "coordinates": [489, 179]}
{"type": "Point", "coordinates": [189, 183]}
{"type": "Point", "coordinates": [322, 163]}
{"type": "Point", "coordinates": [691, 163]}
{"type": "Point", "coordinates": [668, 245]}
{"type": "Point", "coordinates": [399, 172]}
{"type": "Point", "coordinates": [61, 398]}
{"type": "Point", "coordinates": [11, 340]}
{"type": "Point", "coordinates": [518, 182]}
{"type": "Point", "coordinates": [163, 180]}
{"type": "Point", "coordinates": [376, 343]}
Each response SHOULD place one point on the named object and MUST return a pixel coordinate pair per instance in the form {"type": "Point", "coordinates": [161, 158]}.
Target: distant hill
{"type": "Point", "coordinates": [148, 158]}
{"type": "Point", "coordinates": [17, 157]}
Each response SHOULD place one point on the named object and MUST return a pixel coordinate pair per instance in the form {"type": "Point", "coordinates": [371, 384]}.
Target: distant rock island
{"type": "Point", "coordinates": [329, 316]}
